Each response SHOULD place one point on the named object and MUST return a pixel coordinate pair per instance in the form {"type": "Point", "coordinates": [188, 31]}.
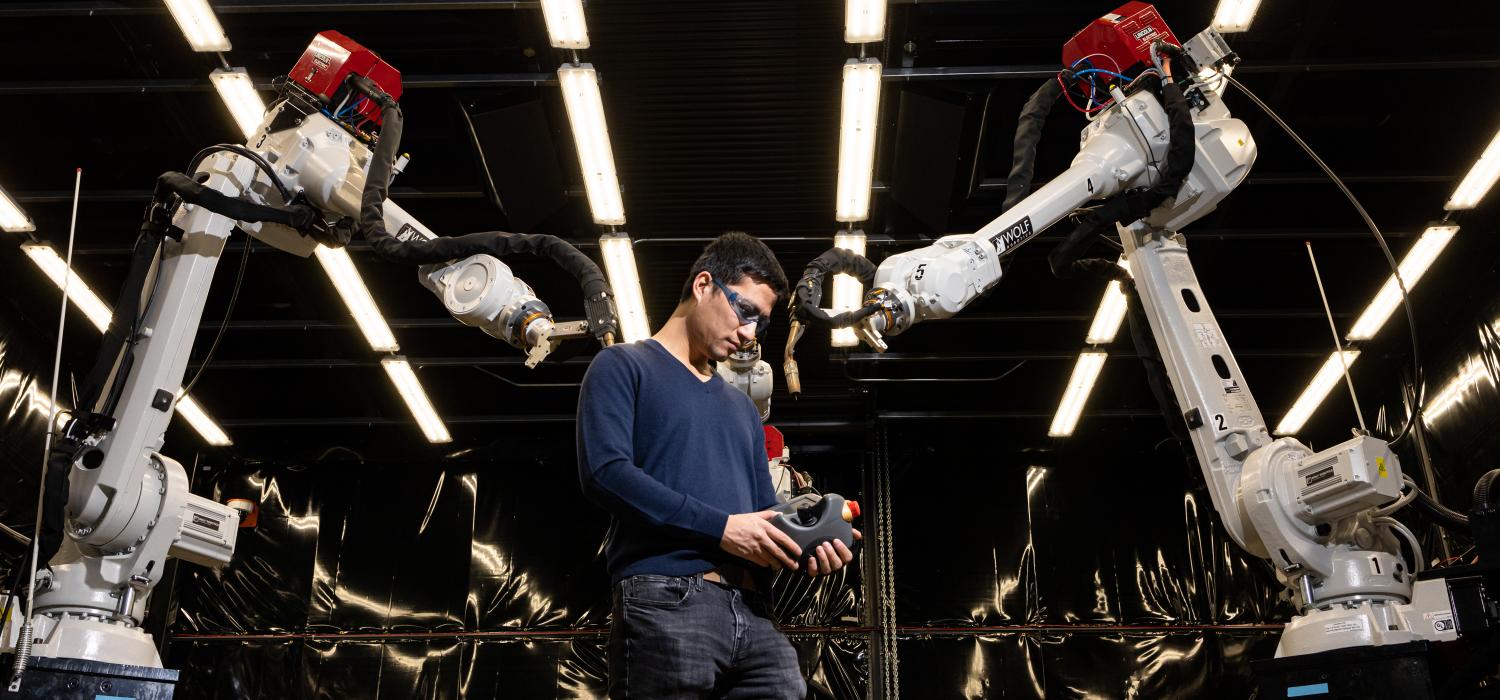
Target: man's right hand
{"type": "Point", "coordinates": [752, 537]}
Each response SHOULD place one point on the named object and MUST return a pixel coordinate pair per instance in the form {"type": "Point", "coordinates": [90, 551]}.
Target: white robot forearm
{"type": "Point", "coordinates": [941, 279]}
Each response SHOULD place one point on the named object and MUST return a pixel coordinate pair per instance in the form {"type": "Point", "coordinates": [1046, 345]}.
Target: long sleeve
{"type": "Point", "coordinates": [606, 465]}
{"type": "Point", "coordinates": [765, 491]}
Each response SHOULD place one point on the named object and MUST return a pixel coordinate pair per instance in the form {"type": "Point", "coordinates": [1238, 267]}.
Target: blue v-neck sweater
{"type": "Point", "coordinates": [670, 456]}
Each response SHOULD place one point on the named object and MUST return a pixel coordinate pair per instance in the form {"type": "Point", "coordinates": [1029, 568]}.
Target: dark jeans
{"type": "Point", "coordinates": [683, 637]}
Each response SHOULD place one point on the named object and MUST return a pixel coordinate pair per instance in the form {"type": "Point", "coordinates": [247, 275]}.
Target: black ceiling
{"type": "Point", "coordinates": [724, 115]}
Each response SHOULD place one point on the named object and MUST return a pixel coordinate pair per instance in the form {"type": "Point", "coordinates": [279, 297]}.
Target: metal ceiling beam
{"type": "Point", "coordinates": [155, 85]}
{"type": "Point", "coordinates": [142, 196]}
{"type": "Point", "coordinates": [995, 184]}
{"type": "Point", "coordinates": [354, 421]}
{"type": "Point", "coordinates": [906, 75]}
{"type": "Point", "coordinates": [445, 322]}
{"type": "Point", "coordinates": [93, 8]}
{"type": "Point", "coordinates": [346, 363]}
{"type": "Point", "coordinates": [859, 358]}
{"type": "Point", "coordinates": [477, 80]}
{"type": "Point", "coordinates": [1200, 234]}
{"type": "Point", "coordinates": [992, 184]}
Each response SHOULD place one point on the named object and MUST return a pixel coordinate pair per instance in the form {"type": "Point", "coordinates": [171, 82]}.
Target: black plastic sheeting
{"type": "Point", "coordinates": [478, 576]}
{"type": "Point", "coordinates": [24, 405]}
{"type": "Point", "coordinates": [481, 576]}
{"type": "Point", "coordinates": [1096, 571]}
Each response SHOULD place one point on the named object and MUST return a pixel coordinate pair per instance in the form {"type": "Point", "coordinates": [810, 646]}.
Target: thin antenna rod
{"type": "Point", "coordinates": [1338, 347]}
{"type": "Point", "coordinates": [23, 647]}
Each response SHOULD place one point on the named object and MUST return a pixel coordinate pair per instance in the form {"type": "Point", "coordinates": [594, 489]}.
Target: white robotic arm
{"type": "Point", "coordinates": [322, 161]}
{"type": "Point", "coordinates": [1308, 512]}
{"type": "Point", "coordinates": [129, 507]}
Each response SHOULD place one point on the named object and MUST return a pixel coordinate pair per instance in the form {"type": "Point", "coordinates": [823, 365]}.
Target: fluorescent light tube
{"type": "Point", "coordinates": [858, 119]}
{"type": "Point", "coordinates": [580, 89]}
{"type": "Point", "coordinates": [239, 95]}
{"type": "Point", "coordinates": [1234, 15]}
{"type": "Point", "coordinates": [1109, 316]}
{"type": "Point", "coordinates": [1412, 267]}
{"type": "Point", "coordinates": [53, 266]}
{"type": "Point", "coordinates": [357, 298]}
{"type": "Point", "coordinates": [1085, 372]}
{"type": "Point", "coordinates": [416, 400]}
{"type": "Point", "coordinates": [847, 291]}
{"type": "Point", "coordinates": [619, 263]}
{"type": "Point", "coordinates": [1328, 375]}
{"type": "Point", "coordinates": [11, 217]}
{"type": "Point", "coordinates": [864, 21]}
{"type": "Point", "coordinates": [565, 26]}
{"type": "Point", "coordinates": [194, 415]}
{"type": "Point", "coordinates": [1480, 179]}
{"type": "Point", "coordinates": [99, 313]}
{"type": "Point", "coordinates": [197, 21]}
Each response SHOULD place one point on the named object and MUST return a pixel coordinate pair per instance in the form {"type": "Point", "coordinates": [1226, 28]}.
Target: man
{"type": "Point", "coordinates": [677, 456]}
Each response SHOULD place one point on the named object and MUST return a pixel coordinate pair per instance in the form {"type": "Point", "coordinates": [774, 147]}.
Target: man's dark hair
{"type": "Point", "coordinates": [735, 256]}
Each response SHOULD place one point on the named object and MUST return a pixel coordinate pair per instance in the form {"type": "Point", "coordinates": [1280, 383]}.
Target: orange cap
{"type": "Point", "coordinates": [851, 510]}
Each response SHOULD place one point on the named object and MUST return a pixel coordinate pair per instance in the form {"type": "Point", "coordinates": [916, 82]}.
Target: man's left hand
{"type": "Point", "coordinates": [831, 556]}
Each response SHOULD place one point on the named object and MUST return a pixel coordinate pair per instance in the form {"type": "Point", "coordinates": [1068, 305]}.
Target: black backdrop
{"type": "Point", "coordinates": [1095, 568]}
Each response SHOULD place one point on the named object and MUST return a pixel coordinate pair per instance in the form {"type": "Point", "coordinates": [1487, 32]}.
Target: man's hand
{"type": "Point", "coordinates": [831, 556]}
{"type": "Point", "coordinates": [751, 536]}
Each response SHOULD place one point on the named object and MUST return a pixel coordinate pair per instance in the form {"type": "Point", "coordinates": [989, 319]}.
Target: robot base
{"type": "Point", "coordinates": [86, 637]}
{"type": "Point", "coordinates": [79, 679]}
{"type": "Point", "coordinates": [1390, 671]}
{"type": "Point", "coordinates": [1357, 624]}
{"type": "Point", "coordinates": [1372, 622]}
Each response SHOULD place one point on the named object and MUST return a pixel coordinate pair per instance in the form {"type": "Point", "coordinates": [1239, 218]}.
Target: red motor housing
{"type": "Point", "coordinates": [333, 57]}
{"type": "Point", "coordinates": [1124, 36]}
{"type": "Point", "coordinates": [775, 442]}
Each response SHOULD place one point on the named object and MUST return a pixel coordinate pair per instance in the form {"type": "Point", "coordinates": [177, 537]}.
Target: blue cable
{"type": "Point", "coordinates": [351, 108]}
{"type": "Point", "coordinates": [1092, 87]}
{"type": "Point", "coordinates": [1087, 71]}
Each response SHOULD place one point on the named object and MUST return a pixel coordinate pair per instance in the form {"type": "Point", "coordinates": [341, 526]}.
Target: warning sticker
{"type": "Point", "coordinates": [1345, 626]}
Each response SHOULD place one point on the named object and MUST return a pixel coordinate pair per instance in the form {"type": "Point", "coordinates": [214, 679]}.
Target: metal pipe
{"type": "Point", "coordinates": [1308, 602]}
{"type": "Point", "coordinates": [92, 8]}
